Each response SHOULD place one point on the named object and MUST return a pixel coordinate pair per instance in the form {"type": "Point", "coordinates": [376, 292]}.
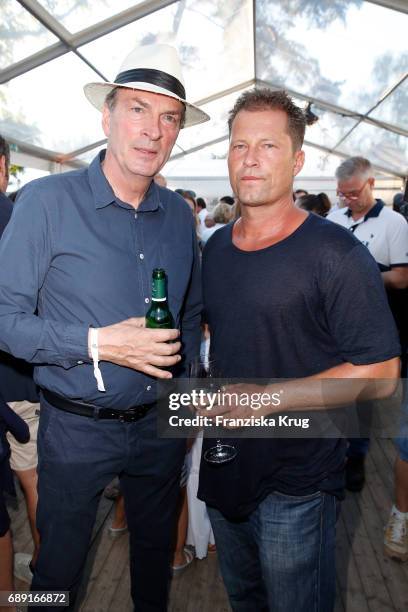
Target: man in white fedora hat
{"type": "Point", "coordinates": [75, 281]}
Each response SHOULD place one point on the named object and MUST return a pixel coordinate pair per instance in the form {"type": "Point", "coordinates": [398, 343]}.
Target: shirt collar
{"type": "Point", "coordinates": [373, 212]}
{"type": "Point", "coordinates": [103, 192]}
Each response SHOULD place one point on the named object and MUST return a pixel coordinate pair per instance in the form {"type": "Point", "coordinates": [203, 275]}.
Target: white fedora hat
{"type": "Point", "coordinates": [154, 68]}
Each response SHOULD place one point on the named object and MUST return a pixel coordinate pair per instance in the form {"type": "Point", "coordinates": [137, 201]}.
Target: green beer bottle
{"type": "Point", "coordinates": [159, 316]}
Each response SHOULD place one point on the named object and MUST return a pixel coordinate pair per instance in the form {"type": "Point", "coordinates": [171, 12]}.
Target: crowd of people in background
{"type": "Point", "coordinates": [382, 230]}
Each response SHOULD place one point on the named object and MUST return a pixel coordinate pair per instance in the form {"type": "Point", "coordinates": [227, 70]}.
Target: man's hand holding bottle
{"type": "Point", "coordinates": [146, 344]}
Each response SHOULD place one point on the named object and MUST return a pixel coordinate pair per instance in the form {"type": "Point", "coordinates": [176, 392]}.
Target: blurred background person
{"type": "Point", "coordinates": [228, 200]}
{"type": "Point", "coordinates": [222, 214]}
{"type": "Point", "coordinates": [202, 212]}
{"type": "Point", "coordinates": [209, 220]}
{"type": "Point", "coordinates": [118, 526]}
{"type": "Point", "coordinates": [400, 203]}
{"type": "Point", "coordinates": [298, 193]}
{"type": "Point", "coordinates": [397, 201]}
{"type": "Point", "coordinates": [318, 204]}
{"type": "Point", "coordinates": [191, 201]}
{"type": "Point", "coordinates": [18, 388]}
{"type": "Point", "coordinates": [385, 234]}
{"type": "Point", "coordinates": [12, 423]}
{"type": "Point", "coordinates": [160, 180]}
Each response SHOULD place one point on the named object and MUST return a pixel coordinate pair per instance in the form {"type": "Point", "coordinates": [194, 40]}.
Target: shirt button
{"type": "Point", "coordinates": [148, 387]}
{"type": "Point", "coordinates": [80, 362]}
{"type": "Point", "coordinates": [141, 256]}
{"type": "Point", "coordinates": [147, 300]}
{"type": "Point", "coordinates": [135, 215]}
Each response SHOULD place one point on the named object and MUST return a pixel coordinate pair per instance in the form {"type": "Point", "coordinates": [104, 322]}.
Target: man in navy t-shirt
{"type": "Point", "coordinates": [287, 295]}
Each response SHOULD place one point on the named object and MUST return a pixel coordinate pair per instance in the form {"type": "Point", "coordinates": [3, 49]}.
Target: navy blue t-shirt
{"type": "Point", "coordinates": [299, 307]}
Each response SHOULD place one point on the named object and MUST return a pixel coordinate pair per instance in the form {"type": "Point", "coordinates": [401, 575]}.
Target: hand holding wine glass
{"type": "Point", "coordinates": [208, 375]}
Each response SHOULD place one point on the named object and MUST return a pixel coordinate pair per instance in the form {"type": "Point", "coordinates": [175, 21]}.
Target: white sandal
{"type": "Point", "coordinates": [116, 532]}
{"type": "Point", "coordinates": [189, 557]}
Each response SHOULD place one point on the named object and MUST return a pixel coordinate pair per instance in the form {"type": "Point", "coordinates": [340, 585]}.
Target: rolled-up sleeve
{"type": "Point", "coordinates": [26, 251]}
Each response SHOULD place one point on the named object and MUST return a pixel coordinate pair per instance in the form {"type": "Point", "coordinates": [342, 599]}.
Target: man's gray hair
{"type": "Point", "coordinates": [354, 166]}
{"type": "Point", "coordinates": [110, 99]}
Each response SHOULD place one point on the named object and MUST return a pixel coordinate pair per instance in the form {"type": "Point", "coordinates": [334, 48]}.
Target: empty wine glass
{"type": "Point", "coordinates": [208, 373]}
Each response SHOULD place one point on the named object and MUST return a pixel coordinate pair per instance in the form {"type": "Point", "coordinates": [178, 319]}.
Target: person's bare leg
{"type": "Point", "coordinates": [401, 484]}
{"type": "Point", "coordinates": [6, 567]}
{"type": "Point", "coordinates": [182, 525]}
{"type": "Point", "coordinates": [28, 481]}
{"type": "Point", "coordinates": [119, 517]}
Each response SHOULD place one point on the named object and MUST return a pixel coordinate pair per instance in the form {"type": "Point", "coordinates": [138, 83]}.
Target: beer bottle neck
{"type": "Point", "coordinates": [159, 290]}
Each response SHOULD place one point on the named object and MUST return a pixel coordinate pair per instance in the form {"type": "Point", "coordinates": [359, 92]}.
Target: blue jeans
{"type": "Point", "coordinates": [78, 457]}
{"type": "Point", "coordinates": [282, 557]}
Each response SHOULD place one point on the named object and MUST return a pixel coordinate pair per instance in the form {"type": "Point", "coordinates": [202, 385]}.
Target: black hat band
{"type": "Point", "coordinates": [155, 77]}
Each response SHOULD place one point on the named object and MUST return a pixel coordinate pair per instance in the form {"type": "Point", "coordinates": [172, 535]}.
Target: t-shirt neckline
{"type": "Point", "coordinates": [272, 246]}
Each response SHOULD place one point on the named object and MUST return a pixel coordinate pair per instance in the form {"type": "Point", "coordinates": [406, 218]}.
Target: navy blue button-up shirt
{"type": "Point", "coordinates": [80, 257]}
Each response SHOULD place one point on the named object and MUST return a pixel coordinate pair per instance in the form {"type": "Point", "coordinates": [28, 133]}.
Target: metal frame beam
{"type": "Point", "coordinates": [327, 150]}
{"type": "Point", "coordinates": [71, 42]}
{"type": "Point", "coordinates": [45, 159]}
{"type": "Point", "coordinates": [339, 110]}
{"type": "Point", "coordinates": [104, 27]}
{"type": "Point", "coordinates": [54, 26]}
{"type": "Point", "coordinates": [396, 5]}
{"type": "Point", "coordinates": [73, 154]}
{"type": "Point", "coordinates": [30, 151]}
{"type": "Point", "coordinates": [45, 18]}
{"type": "Point", "coordinates": [183, 153]}
{"type": "Point", "coordinates": [212, 98]}
{"type": "Point", "coordinates": [225, 92]}
{"type": "Point", "coordinates": [344, 155]}
{"type": "Point", "coordinates": [365, 117]}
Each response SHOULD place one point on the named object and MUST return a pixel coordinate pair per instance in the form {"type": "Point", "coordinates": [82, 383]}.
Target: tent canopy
{"type": "Point", "coordinates": [348, 58]}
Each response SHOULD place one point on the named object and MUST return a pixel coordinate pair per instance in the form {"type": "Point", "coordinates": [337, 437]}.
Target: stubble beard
{"type": "Point", "coordinates": [252, 198]}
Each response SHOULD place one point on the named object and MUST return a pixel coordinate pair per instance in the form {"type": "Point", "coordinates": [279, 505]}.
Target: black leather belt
{"type": "Point", "coordinates": [96, 412]}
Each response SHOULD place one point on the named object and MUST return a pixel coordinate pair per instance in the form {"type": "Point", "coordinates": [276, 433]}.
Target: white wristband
{"type": "Point", "coordinates": [95, 358]}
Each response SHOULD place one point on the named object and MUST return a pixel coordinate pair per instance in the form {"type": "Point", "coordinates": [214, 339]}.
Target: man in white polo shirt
{"type": "Point", "coordinates": [385, 234]}
{"type": "Point", "coordinates": [383, 231]}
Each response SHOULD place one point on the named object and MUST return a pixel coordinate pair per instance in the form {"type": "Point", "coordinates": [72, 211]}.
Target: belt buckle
{"type": "Point", "coordinates": [122, 417]}
{"type": "Point", "coordinates": [129, 416]}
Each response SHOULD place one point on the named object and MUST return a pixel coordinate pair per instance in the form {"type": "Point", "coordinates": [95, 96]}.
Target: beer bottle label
{"type": "Point", "coordinates": [159, 290]}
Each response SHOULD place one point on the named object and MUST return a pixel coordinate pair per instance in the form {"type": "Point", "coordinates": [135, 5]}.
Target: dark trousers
{"type": "Point", "coordinates": [78, 457]}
